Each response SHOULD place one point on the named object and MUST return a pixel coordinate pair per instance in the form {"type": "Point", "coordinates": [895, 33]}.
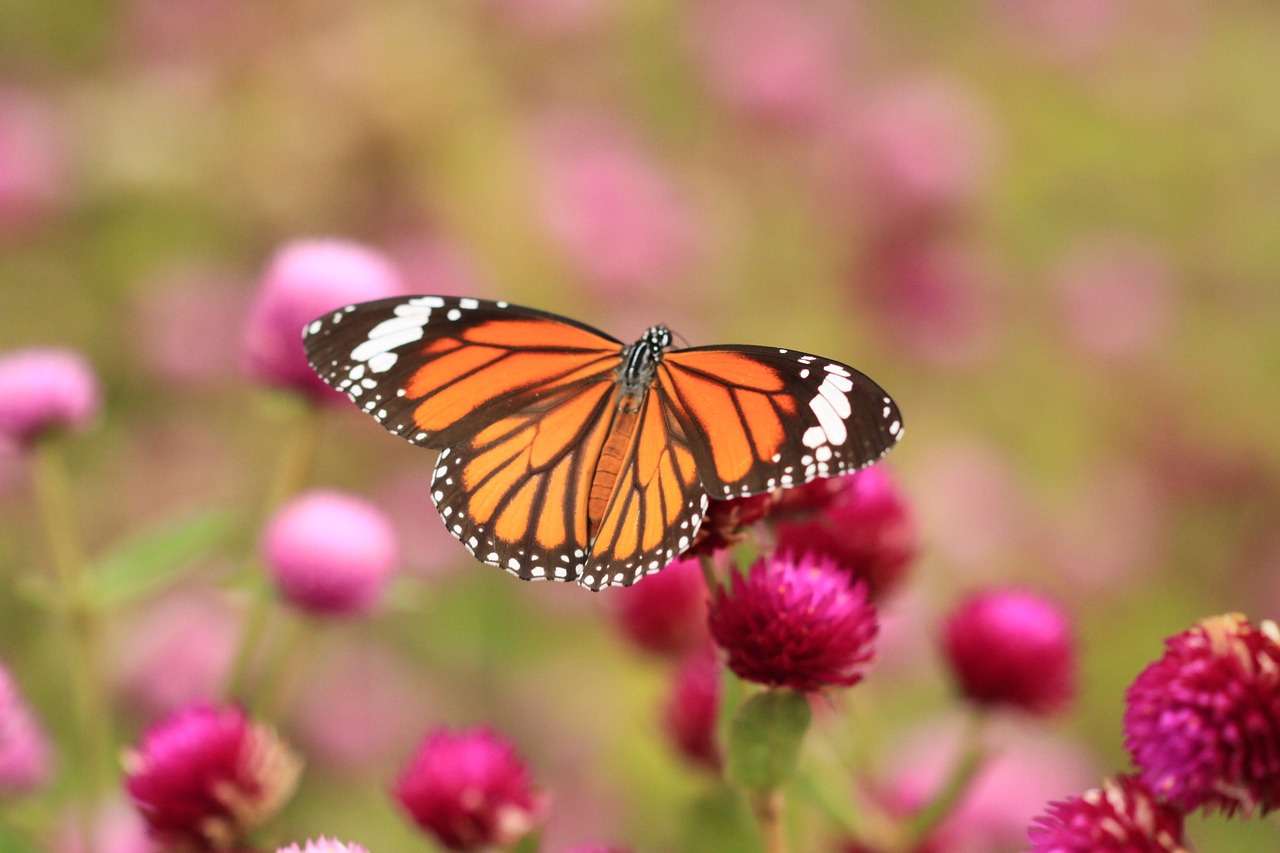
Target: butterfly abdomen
{"type": "Point", "coordinates": [612, 456]}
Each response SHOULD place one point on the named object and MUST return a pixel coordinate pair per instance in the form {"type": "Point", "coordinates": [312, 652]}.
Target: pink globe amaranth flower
{"type": "Point", "coordinates": [1203, 722]}
{"type": "Point", "coordinates": [305, 279]}
{"type": "Point", "coordinates": [323, 845]}
{"type": "Point", "coordinates": [615, 213]}
{"type": "Point", "coordinates": [866, 527]}
{"type": "Point", "coordinates": [45, 389]}
{"type": "Point", "coordinates": [666, 613]}
{"type": "Point", "coordinates": [693, 708]}
{"type": "Point", "coordinates": [777, 62]}
{"type": "Point", "coordinates": [24, 746]}
{"type": "Point", "coordinates": [207, 776]}
{"type": "Point", "coordinates": [1012, 648]}
{"type": "Point", "coordinates": [470, 790]}
{"type": "Point", "coordinates": [330, 553]}
{"type": "Point", "coordinates": [117, 828]}
{"type": "Point", "coordinates": [795, 622]}
{"type": "Point", "coordinates": [730, 521]}
{"type": "Point", "coordinates": [35, 163]}
{"type": "Point", "coordinates": [1123, 816]}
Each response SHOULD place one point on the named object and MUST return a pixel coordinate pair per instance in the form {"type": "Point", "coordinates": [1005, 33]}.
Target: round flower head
{"type": "Point", "coordinates": [693, 708]}
{"type": "Point", "coordinates": [470, 790]}
{"type": "Point", "coordinates": [1122, 816]}
{"type": "Point", "coordinates": [330, 553]}
{"type": "Point", "coordinates": [666, 613]}
{"type": "Point", "coordinates": [864, 526]}
{"type": "Point", "coordinates": [304, 280]}
{"type": "Point", "coordinates": [1013, 648]}
{"type": "Point", "coordinates": [206, 777]}
{"type": "Point", "coordinates": [795, 622]}
{"type": "Point", "coordinates": [1203, 722]}
{"type": "Point", "coordinates": [24, 747]}
{"type": "Point", "coordinates": [323, 845]}
{"type": "Point", "coordinates": [43, 390]}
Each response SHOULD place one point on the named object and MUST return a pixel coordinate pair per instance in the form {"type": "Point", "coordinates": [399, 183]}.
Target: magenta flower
{"type": "Point", "coordinates": [693, 709]}
{"type": "Point", "coordinates": [330, 553]}
{"type": "Point", "coordinates": [42, 390]}
{"type": "Point", "coordinates": [865, 526]}
{"type": "Point", "coordinates": [323, 845]}
{"type": "Point", "coordinates": [470, 790]}
{"type": "Point", "coordinates": [304, 280]}
{"type": "Point", "coordinates": [207, 776]}
{"type": "Point", "coordinates": [1203, 722]}
{"type": "Point", "coordinates": [1014, 648]}
{"type": "Point", "coordinates": [24, 746]}
{"type": "Point", "coordinates": [666, 613]}
{"type": "Point", "coordinates": [729, 521]}
{"type": "Point", "coordinates": [1122, 816]}
{"type": "Point", "coordinates": [795, 622]}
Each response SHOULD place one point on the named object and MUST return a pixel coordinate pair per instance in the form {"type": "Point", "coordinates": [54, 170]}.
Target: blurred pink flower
{"type": "Point", "coordinates": [433, 264]}
{"type": "Point", "coordinates": [665, 613]}
{"type": "Point", "coordinates": [778, 62]}
{"type": "Point", "coordinates": [933, 297]}
{"type": "Point", "coordinates": [693, 708]}
{"type": "Point", "coordinates": [553, 19]}
{"type": "Point", "coordinates": [429, 550]}
{"type": "Point", "coordinates": [323, 845]}
{"type": "Point", "coordinates": [613, 210]}
{"type": "Point", "coordinates": [35, 163]}
{"type": "Point", "coordinates": [186, 324]}
{"type": "Point", "coordinates": [919, 149]}
{"type": "Point", "coordinates": [1026, 769]}
{"type": "Point", "coordinates": [117, 828]}
{"type": "Point", "coordinates": [24, 746]}
{"type": "Point", "coordinates": [1117, 296]}
{"type": "Point", "coordinates": [177, 652]}
{"type": "Point", "coordinates": [45, 389]}
{"type": "Point", "coordinates": [305, 279]}
{"type": "Point", "coordinates": [199, 30]}
{"type": "Point", "coordinates": [1067, 30]}
{"type": "Point", "coordinates": [330, 553]}
{"type": "Point", "coordinates": [374, 718]}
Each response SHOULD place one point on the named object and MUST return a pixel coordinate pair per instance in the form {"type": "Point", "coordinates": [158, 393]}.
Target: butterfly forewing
{"type": "Point", "coordinates": [760, 418]}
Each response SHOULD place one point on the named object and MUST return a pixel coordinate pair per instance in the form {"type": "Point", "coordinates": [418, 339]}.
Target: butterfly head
{"type": "Point", "coordinates": [640, 360]}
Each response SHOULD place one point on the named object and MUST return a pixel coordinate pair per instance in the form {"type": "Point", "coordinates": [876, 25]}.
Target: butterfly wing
{"type": "Point", "coordinates": [760, 418]}
{"type": "Point", "coordinates": [518, 401]}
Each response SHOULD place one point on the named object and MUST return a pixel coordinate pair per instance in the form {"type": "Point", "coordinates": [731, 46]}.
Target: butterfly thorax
{"type": "Point", "coordinates": [640, 361]}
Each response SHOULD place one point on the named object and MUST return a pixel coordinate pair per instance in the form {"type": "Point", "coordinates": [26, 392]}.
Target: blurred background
{"type": "Point", "coordinates": [1049, 229]}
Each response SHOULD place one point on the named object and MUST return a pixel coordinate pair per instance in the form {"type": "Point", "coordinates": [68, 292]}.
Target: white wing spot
{"type": "Point", "coordinates": [453, 314]}
{"type": "Point", "coordinates": [813, 436]}
{"type": "Point", "coordinates": [829, 420]}
{"type": "Point", "coordinates": [469, 304]}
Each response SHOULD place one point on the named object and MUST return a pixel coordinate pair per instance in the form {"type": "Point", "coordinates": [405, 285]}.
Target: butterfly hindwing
{"type": "Point", "coordinates": [760, 418]}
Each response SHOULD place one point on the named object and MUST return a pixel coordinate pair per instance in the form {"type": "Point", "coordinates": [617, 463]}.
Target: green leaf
{"type": "Point", "coordinates": [147, 561]}
{"type": "Point", "coordinates": [765, 739]}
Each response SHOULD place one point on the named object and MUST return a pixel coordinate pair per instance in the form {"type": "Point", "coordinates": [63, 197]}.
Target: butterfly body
{"type": "Point", "coordinates": [566, 455]}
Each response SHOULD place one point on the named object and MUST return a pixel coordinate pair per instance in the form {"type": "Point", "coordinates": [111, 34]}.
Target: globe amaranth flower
{"type": "Point", "coordinates": [665, 613]}
{"type": "Point", "coordinates": [304, 280]}
{"type": "Point", "coordinates": [863, 524]}
{"type": "Point", "coordinates": [323, 845]}
{"type": "Point", "coordinates": [693, 708]}
{"type": "Point", "coordinates": [470, 790]}
{"type": "Point", "coordinates": [795, 622]}
{"type": "Point", "coordinates": [729, 521]}
{"type": "Point", "coordinates": [1012, 648]}
{"type": "Point", "coordinates": [1123, 816]}
{"type": "Point", "coordinates": [330, 553]}
{"type": "Point", "coordinates": [206, 776]}
{"type": "Point", "coordinates": [24, 746]}
{"type": "Point", "coordinates": [45, 389]}
{"type": "Point", "coordinates": [1203, 722]}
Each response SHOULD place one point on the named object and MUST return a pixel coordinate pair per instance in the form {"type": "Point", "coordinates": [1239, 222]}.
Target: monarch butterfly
{"type": "Point", "coordinates": [566, 455]}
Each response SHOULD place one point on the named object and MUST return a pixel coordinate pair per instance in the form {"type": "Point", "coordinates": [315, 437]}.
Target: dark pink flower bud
{"type": "Point", "coordinates": [1123, 816]}
{"type": "Point", "coordinates": [206, 777]}
{"type": "Point", "coordinates": [330, 553]}
{"type": "Point", "coordinates": [795, 622]}
{"type": "Point", "coordinates": [1012, 647]}
{"type": "Point", "coordinates": [323, 845]}
{"type": "Point", "coordinates": [42, 390]}
{"type": "Point", "coordinates": [866, 527]}
{"type": "Point", "coordinates": [304, 280]}
{"type": "Point", "coordinates": [666, 613]}
{"type": "Point", "coordinates": [1203, 722]}
{"type": "Point", "coordinates": [693, 708]}
{"type": "Point", "coordinates": [470, 790]}
{"type": "Point", "coordinates": [24, 746]}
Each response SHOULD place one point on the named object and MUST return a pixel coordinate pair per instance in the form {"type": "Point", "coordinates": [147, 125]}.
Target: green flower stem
{"type": "Point", "coordinates": [280, 683]}
{"type": "Point", "coordinates": [972, 755]}
{"type": "Point", "coordinates": [709, 572]}
{"type": "Point", "coordinates": [297, 459]}
{"type": "Point", "coordinates": [80, 625]}
{"type": "Point", "coordinates": [767, 808]}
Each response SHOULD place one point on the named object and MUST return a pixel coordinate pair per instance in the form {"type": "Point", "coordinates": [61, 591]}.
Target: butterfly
{"type": "Point", "coordinates": [567, 455]}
